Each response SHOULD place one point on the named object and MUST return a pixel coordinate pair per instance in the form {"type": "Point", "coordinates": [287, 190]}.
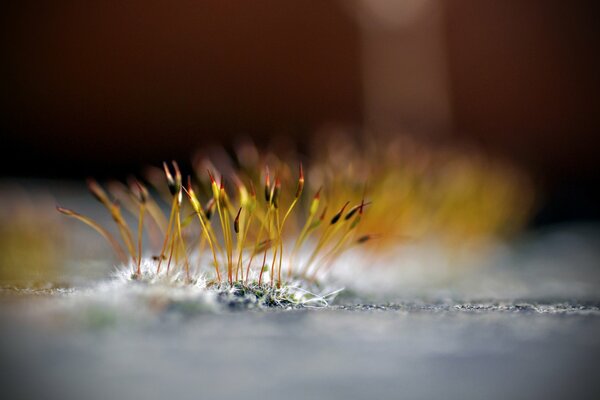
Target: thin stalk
{"type": "Point", "coordinates": [326, 235]}
{"type": "Point", "coordinates": [210, 244]}
{"type": "Point", "coordinates": [157, 215]}
{"type": "Point", "coordinates": [205, 225]}
{"type": "Point", "coordinates": [182, 243]}
{"type": "Point", "coordinates": [140, 236]}
{"type": "Point", "coordinates": [335, 250]}
{"type": "Point", "coordinates": [225, 231]}
{"type": "Point", "coordinates": [125, 234]}
{"type": "Point", "coordinates": [268, 221]}
{"type": "Point", "coordinates": [113, 209]}
{"type": "Point", "coordinates": [276, 251]}
{"type": "Point", "coordinates": [168, 232]}
{"type": "Point", "coordinates": [94, 225]}
{"type": "Point", "coordinates": [246, 227]}
{"type": "Point", "coordinates": [300, 241]}
{"type": "Point", "coordinates": [171, 248]}
{"type": "Point", "coordinates": [229, 244]}
{"type": "Point", "coordinates": [280, 233]}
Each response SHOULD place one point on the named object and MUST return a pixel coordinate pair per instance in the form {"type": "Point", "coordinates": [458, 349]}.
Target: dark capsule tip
{"type": "Point", "coordinates": [337, 216]}
{"type": "Point", "coordinates": [236, 222]}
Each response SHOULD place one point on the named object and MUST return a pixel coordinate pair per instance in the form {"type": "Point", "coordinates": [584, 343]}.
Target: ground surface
{"type": "Point", "coordinates": [417, 351]}
{"type": "Point", "coordinates": [522, 323]}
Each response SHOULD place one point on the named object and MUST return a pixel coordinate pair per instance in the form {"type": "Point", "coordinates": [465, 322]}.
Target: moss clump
{"type": "Point", "coordinates": [233, 233]}
{"type": "Point", "coordinates": [254, 295]}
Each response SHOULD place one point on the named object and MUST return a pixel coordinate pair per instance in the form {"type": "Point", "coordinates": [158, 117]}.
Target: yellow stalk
{"type": "Point", "coordinates": [326, 236]}
{"type": "Point", "coordinates": [182, 243]}
{"type": "Point", "coordinates": [217, 197]}
{"type": "Point", "coordinates": [314, 207]}
{"type": "Point", "coordinates": [280, 233]}
{"type": "Point", "coordinates": [239, 238]}
{"type": "Point", "coordinates": [196, 205]}
{"type": "Point", "coordinates": [171, 248]}
{"type": "Point", "coordinates": [332, 252]}
{"type": "Point", "coordinates": [254, 251]}
{"type": "Point", "coordinates": [94, 225]}
{"type": "Point", "coordinates": [223, 231]}
{"type": "Point", "coordinates": [157, 215]}
{"type": "Point", "coordinates": [140, 236]}
{"type": "Point", "coordinates": [258, 238]}
{"type": "Point", "coordinates": [247, 224]}
{"type": "Point", "coordinates": [228, 243]}
{"type": "Point", "coordinates": [115, 213]}
{"type": "Point", "coordinates": [300, 239]}
{"type": "Point", "coordinates": [277, 248]}
{"type": "Point", "coordinates": [210, 244]}
{"type": "Point", "coordinates": [168, 232]}
{"type": "Point", "coordinates": [125, 234]}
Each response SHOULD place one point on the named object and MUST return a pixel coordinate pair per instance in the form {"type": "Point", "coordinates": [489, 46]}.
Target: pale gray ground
{"type": "Point", "coordinates": [522, 325]}
{"type": "Point", "coordinates": [336, 354]}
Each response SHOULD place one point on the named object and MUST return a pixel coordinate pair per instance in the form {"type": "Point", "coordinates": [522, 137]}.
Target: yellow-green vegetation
{"type": "Point", "coordinates": [246, 235]}
{"type": "Point", "coordinates": [294, 226]}
{"type": "Point", "coordinates": [450, 192]}
{"type": "Point", "coordinates": [32, 241]}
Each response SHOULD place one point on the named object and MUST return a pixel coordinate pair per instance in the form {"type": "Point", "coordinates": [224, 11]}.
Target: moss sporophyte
{"type": "Point", "coordinates": [236, 238]}
{"type": "Point", "coordinates": [252, 219]}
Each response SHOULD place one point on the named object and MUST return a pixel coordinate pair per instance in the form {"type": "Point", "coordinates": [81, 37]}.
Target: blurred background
{"type": "Point", "coordinates": [101, 88]}
{"type": "Point", "coordinates": [475, 123]}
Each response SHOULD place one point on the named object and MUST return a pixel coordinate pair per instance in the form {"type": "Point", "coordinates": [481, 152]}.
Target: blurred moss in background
{"type": "Point", "coordinates": [32, 239]}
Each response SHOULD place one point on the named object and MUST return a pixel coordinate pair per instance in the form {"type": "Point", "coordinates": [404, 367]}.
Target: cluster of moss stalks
{"type": "Point", "coordinates": [246, 235]}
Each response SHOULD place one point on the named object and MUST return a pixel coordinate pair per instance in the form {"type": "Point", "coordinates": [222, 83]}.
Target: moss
{"type": "Point", "coordinates": [253, 295]}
